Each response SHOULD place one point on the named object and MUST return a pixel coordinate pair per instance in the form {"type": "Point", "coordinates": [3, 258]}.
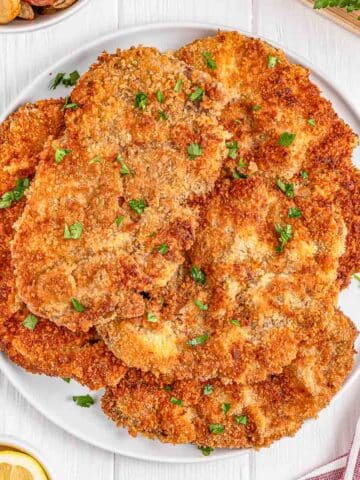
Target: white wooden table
{"type": "Point", "coordinates": [288, 22]}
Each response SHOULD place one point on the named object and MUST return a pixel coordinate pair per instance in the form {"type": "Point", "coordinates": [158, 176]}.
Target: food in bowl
{"type": "Point", "coordinates": [28, 9]}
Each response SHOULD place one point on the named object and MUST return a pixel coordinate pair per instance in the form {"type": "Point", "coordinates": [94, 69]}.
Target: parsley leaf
{"type": "Point", "coordinates": [30, 322]}
{"type": "Point", "coordinates": [60, 154]}
{"type": "Point", "coordinates": [125, 170]}
{"type": "Point", "coordinates": [210, 62]}
{"type": "Point", "coordinates": [176, 401]}
{"type": "Point", "coordinates": [238, 175]}
{"type": "Point", "coordinates": [119, 220]}
{"type": "Point", "coordinates": [285, 234]}
{"type": "Point", "coordinates": [200, 305]}
{"type": "Point", "coordinates": [208, 390]}
{"type": "Point", "coordinates": [162, 115]}
{"type": "Point", "coordinates": [198, 275]}
{"type": "Point", "coordinates": [225, 407]}
{"type": "Point", "coordinates": [194, 150]}
{"type": "Point", "coordinates": [160, 96]}
{"type": "Point", "coordinates": [197, 94]}
{"type": "Point", "coordinates": [77, 305]}
{"type": "Point", "coordinates": [74, 231]}
{"type": "Point", "coordinates": [67, 80]}
{"type": "Point", "coordinates": [272, 61]}
{"type": "Point", "coordinates": [163, 248]}
{"type": "Point", "coordinates": [357, 277]}
{"type": "Point", "coordinates": [178, 86]}
{"type": "Point", "coordinates": [68, 105]}
{"type": "Point", "coordinates": [294, 212]}
{"type": "Point", "coordinates": [95, 160]}
{"type": "Point", "coordinates": [241, 419]}
{"type": "Point", "coordinates": [200, 340]}
{"type": "Point", "coordinates": [304, 175]}
{"type": "Point", "coordinates": [235, 322]}
{"type": "Point", "coordinates": [141, 100]}
{"type": "Point", "coordinates": [286, 188]}
{"type": "Point", "coordinates": [66, 379]}
{"type": "Point", "coordinates": [151, 317]}
{"type": "Point", "coordinates": [311, 122]}
{"type": "Point", "coordinates": [84, 401]}
{"type": "Point", "coordinates": [255, 108]}
{"type": "Point", "coordinates": [16, 194]}
{"type": "Point", "coordinates": [232, 149]}
{"type": "Point", "coordinates": [168, 388]}
{"type": "Point", "coordinates": [138, 205]}
{"type": "Point", "coordinates": [216, 428]}
{"type": "Point", "coordinates": [286, 139]}
{"type": "Point", "coordinates": [206, 451]}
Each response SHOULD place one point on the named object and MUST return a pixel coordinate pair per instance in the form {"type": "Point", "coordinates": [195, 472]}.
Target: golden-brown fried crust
{"type": "Point", "coordinates": [22, 137]}
{"type": "Point", "coordinates": [274, 408]}
{"type": "Point", "coordinates": [108, 267]}
{"type": "Point", "coordinates": [255, 298]}
{"type": "Point", "coordinates": [48, 349]}
{"type": "Point", "coordinates": [56, 351]}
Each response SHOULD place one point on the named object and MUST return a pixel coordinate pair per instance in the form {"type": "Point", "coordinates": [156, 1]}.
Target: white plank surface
{"type": "Point", "coordinates": [336, 52]}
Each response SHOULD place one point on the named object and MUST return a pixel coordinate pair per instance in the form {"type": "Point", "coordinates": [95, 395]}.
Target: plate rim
{"type": "Point", "coordinates": [15, 103]}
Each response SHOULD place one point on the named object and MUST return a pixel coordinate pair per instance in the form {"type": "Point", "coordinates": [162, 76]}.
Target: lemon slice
{"type": "Point", "coordinates": [20, 466]}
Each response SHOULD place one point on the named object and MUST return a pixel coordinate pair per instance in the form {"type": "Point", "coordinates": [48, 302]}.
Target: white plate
{"type": "Point", "coordinates": [42, 21]}
{"type": "Point", "coordinates": [52, 396]}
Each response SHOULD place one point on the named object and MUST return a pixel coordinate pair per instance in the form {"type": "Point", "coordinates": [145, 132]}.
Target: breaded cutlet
{"type": "Point", "coordinates": [110, 223]}
{"type": "Point", "coordinates": [211, 414]}
{"type": "Point", "coordinates": [47, 349]}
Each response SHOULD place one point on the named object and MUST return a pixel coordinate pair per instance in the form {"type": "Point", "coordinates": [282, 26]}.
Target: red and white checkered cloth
{"type": "Point", "coordinates": [346, 467]}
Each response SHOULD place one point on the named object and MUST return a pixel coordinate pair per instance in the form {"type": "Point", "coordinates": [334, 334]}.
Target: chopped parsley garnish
{"type": "Point", "coordinates": [163, 115]}
{"type": "Point", "coordinates": [162, 249]}
{"type": "Point", "coordinates": [178, 86]}
{"type": "Point", "coordinates": [241, 419]}
{"type": "Point", "coordinates": [197, 94]}
{"type": "Point", "coordinates": [151, 317]}
{"type": "Point", "coordinates": [235, 322]}
{"type": "Point", "coordinates": [60, 154]}
{"type": "Point", "coordinates": [208, 390]}
{"type": "Point", "coordinates": [304, 175]}
{"type": "Point", "coordinates": [194, 150]}
{"type": "Point", "coordinates": [206, 451]}
{"type": "Point", "coordinates": [357, 277]}
{"type": "Point", "coordinates": [286, 139]}
{"type": "Point", "coordinates": [311, 122]}
{"type": "Point", "coordinates": [350, 5]}
{"type": "Point", "coordinates": [238, 175]}
{"type": "Point", "coordinates": [141, 100]}
{"type": "Point", "coordinates": [285, 234]}
{"type": "Point", "coordinates": [138, 205]}
{"type": "Point", "coordinates": [119, 220]}
{"type": "Point", "coordinates": [168, 388]}
{"type": "Point", "coordinates": [30, 322]}
{"type": "Point", "coordinates": [74, 231]}
{"type": "Point", "coordinates": [176, 401]}
{"type": "Point", "coordinates": [77, 305]}
{"type": "Point", "coordinates": [225, 407]}
{"type": "Point", "coordinates": [272, 61]}
{"type": "Point", "coordinates": [84, 401]}
{"type": "Point", "coordinates": [160, 96]}
{"type": "Point", "coordinates": [68, 105]}
{"type": "Point", "coordinates": [216, 428]}
{"type": "Point", "coordinates": [16, 194]}
{"type": "Point", "coordinates": [210, 62]}
{"type": "Point", "coordinates": [294, 212]}
{"type": "Point", "coordinates": [255, 108]}
{"type": "Point", "coordinates": [67, 380]}
{"type": "Point", "coordinates": [68, 80]}
{"type": "Point", "coordinates": [241, 163]}
{"type": "Point", "coordinates": [232, 149]}
{"type": "Point", "coordinates": [200, 305]}
{"type": "Point", "coordinates": [95, 160]}
{"type": "Point", "coordinates": [124, 170]}
{"type": "Point", "coordinates": [200, 340]}
{"type": "Point", "coordinates": [286, 188]}
{"type": "Point", "coordinates": [198, 275]}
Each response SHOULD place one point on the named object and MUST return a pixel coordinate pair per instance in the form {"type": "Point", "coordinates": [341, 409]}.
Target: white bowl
{"type": "Point", "coordinates": [42, 21]}
{"type": "Point", "coordinates": [22, 445]}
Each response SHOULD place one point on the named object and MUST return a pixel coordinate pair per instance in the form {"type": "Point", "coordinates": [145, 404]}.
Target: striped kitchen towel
{"type": "Point", "coordinates": [346, 467]}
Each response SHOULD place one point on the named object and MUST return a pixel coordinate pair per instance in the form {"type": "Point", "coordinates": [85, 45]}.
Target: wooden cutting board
{"type": "Point", "coordinates": [340, 16]}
